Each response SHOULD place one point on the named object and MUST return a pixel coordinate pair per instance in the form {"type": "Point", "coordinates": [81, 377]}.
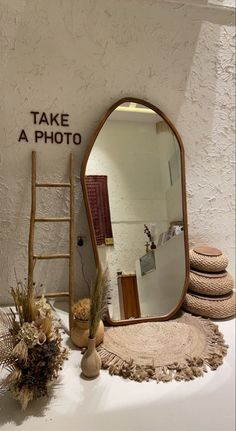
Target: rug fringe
{"type": "Point", "coordinates": [190, 369]}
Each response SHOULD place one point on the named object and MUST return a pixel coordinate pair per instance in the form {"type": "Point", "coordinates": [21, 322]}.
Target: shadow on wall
{"type": "Point", "coordinates": [209, 134]}
{"type": "Point", "coordinates": [86, 271]}
{"type": "Point", "coordinates": [203, 55]}
{"type": "Point", "coordinates": [168, 49]}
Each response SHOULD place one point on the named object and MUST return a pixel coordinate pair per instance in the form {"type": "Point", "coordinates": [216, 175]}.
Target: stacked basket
{"type": "Point", "coordinates": [210, 291]}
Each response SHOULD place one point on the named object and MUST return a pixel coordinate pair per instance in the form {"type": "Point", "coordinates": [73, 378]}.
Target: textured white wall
{"type": "Point", "coordinates": [135, 159]}
{"type": "Point", "coordinates": [80, 57]}
{"type": "Point", "coordinates": [131, 154]}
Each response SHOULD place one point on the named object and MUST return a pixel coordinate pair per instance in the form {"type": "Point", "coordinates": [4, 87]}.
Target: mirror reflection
{"type": "Point", "coordinates": [133, 183]}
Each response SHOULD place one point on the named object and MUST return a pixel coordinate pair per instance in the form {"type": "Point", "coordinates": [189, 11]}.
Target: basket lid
{"type": "Point", "coordinates": [207, 251]}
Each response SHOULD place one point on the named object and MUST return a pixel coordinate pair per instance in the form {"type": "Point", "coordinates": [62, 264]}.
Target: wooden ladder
{"type": "Point", "coordinates": [32, 258]}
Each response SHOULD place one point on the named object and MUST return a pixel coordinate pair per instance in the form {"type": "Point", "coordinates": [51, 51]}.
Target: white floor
{"type": "Point", "coordinates": [114, 404]}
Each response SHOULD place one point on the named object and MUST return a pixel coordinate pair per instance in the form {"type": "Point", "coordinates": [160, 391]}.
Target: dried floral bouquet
{"type": "Point", "coordinates": [31, 349]}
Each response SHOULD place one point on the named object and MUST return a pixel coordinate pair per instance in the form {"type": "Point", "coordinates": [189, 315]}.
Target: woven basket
{"type": "Point", "coordinates": [207, 263]}
{"type": "Point", "coordinates": [207, 285]}
{"type": "Point", "coordinates": [216, 308]}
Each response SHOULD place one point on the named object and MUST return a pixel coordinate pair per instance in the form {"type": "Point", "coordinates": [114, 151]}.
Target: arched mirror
{"type": "Point", "coordinates": [133, 179]}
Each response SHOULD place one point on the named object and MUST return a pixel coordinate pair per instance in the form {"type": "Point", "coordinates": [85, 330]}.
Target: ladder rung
{"type": "Point", "coordinates": [54, 294]}
{"type": "Point", "coordinates": [52, 256]}
{"type": "Point", "coordinates": [52, 184]}
{"type": "Point", "coordinates": [52, 219]}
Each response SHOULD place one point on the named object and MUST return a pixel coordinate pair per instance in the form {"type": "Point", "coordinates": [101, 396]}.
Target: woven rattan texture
{"type": "Point", "coordinates": [214, 309]}
{"type": "Point", "coordinates": [211, 286]}
{"type": "Point", "coordinates": [207, 263]}
{"type": "Point", "coordinates": [179, 349]}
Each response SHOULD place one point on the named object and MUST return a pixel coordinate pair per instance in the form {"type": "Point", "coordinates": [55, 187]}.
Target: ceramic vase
{"type": "Point", "coordinates": [91, 361]}
{"type": "Point", "coordinates": [80, 333]}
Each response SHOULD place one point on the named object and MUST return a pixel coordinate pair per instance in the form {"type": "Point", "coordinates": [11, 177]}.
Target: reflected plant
{"type": "Point", "coordinates": [148, 233]}
{"type": "Point", "coordinates": [151, 238]}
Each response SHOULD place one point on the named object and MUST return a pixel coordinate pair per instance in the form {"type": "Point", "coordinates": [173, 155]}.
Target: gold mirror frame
{"type": "Point", "coordinates": [184, 205]}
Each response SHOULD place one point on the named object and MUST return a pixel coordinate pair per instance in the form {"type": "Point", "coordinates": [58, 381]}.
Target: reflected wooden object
{"type": "Point", "coordinates": [128, 296]}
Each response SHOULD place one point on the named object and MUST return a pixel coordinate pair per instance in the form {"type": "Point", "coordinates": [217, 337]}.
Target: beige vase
{"type": "Point", "coordinates": [91, 361]}
{"type": "Point", "coordinates": [80, 333]}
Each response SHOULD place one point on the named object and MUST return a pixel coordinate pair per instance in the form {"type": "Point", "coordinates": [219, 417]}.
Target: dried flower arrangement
{"type": "Point", "coordinates": [31, 351]}
{"type": "Point", "coordinates": [81, 309]}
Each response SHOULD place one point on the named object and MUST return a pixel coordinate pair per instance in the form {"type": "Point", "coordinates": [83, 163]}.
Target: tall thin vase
{"type": "Point", "coordinates": [91, 361]}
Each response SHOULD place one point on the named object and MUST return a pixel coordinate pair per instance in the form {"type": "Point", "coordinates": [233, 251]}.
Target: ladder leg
{"type": "Point", "coordinates": [71, 242]}
{"type": "Point", "coordinates": [31, 259]}
{"type": "Point", "coordinates": [31, 231]}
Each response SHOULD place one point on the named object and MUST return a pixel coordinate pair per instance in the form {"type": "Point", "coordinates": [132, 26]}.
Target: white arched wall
{"type": "Point", "coordinates": [80, 57]}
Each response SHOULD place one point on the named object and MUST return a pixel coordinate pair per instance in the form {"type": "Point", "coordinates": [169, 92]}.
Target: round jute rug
{"type": "Point", "coordinates": [179, 349]}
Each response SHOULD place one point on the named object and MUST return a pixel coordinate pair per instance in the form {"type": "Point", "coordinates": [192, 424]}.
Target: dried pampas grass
{"type": "Point", "coordinates": [99, 298]}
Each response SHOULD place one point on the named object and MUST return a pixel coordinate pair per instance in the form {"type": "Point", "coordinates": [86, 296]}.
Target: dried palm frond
{"type": "Point", "coordinates": [24, 395]}
{"type": "Point", "coordinates": [106, 293]}
{"type": "Point", "coordinates": [14, 376]}
{"type": "Point", "coordinates": [6, 347]}
{"type": "Point", "coordinates": [6, 339]}
{"type": "Point", "coordinates": [97, 297]}
{"type": "Point", "coordinates": [4, 386]}
{"type": "Point", "coordinates": [8, 323]}
{"type": "Point", "coordinates": [5, 322]}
